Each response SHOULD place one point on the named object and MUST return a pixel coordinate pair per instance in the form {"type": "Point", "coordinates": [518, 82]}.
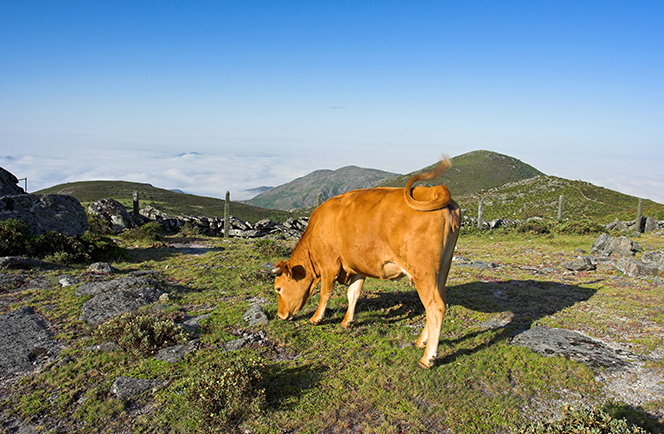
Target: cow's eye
{"type": "Point", "coordinates": [277, 289]}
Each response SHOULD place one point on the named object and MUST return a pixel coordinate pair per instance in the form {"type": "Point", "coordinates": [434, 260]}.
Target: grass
{"type": "Point", "coordinates": [326, 379]}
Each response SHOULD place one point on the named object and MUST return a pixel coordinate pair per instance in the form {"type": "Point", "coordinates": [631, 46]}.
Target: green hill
{"type": "Point", "coordinates": [475, 171]}
{"type": "Point", "coordinates": [165, 200]}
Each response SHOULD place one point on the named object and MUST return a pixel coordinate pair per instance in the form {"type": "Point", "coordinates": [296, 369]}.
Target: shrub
{"type": "Point", "coordinates": [534, 227]}
{"type": "Point", "coordinates": [578, 227]}
{"type": "Point", "coordinates": [271, 249]}
{"type": "Point", "coordinates": [222, 393]}
{"type": "Point", "coordinates": [149, 232]}
{"type": "Point", "coordinates": [584, 421]}
{"type": "Point", "coordinates": [141, 333]}
{"type": "Point", "coordinates": [14, 236]}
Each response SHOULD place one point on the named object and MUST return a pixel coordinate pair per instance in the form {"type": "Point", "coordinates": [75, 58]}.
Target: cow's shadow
{"type": "Point", "coordinates": [516, 303]}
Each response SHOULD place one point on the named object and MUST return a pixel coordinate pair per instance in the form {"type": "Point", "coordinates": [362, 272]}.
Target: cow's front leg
{"type": "Point", "coordinates": [326, 286]}
{"type": "Point", "coordinates": [354, 290]}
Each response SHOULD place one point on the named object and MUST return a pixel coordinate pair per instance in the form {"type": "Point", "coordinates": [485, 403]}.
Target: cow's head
{"type": "Point", "coordinates": [293, 285]}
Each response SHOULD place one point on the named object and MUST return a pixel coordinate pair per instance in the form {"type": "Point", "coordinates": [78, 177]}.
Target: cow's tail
{"type": "Point", "coordinates": [442, 194]}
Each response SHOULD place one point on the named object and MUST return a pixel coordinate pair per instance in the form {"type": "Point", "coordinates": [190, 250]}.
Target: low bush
{"type": "Point", "coordinates": [222, 393]}
{"type": "Point", "coordinates": [141, 333]}
{"type": "Point", "coordinates": [584, 421]}
{"type": "Point", "coordinates": [271, 249]}
{"type": "Point", "coordinates": [578, 227]}
{"type": "Point", "coordinates": [150, 232]}
{"type": "Point", "coordinates": [14, 237]}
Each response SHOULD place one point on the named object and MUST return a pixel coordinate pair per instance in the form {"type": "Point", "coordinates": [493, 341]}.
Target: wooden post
{"type": "Point", "coordinates": [480, 211]}
{"type": "Point", "coordinates": [638, 215]}
{"type": "Point", "coordinates": [319, 199]}
{"type": "Point", "coordinates": [561, 203]}
{"type": "Point", "coordinates": [227, 214]}
{"type": "Point", "coordinates": [136, 203]}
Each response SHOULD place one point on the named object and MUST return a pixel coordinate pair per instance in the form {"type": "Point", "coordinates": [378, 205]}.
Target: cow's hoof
{"type": "Point", "coordinates": [314, 322]}
{"type": "Point", "coordinates": [424, 364]}
{"type": "Point", "coordinates": [347, 325]}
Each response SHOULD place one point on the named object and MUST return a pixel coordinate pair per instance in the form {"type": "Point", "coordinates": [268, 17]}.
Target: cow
{"type": "Point", "coordinates": [384, 233]}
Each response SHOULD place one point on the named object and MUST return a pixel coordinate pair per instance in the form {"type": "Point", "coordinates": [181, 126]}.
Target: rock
{"type": "Point", "coordinates": [9, 184]}
{"type": "Point", "coordinates": [579, 264]}
{"type": "Point", "coordinates": [650, 225]}
{"type": "Point", "coordinates": [236, 344]}
{"type": "Point", "coordinates": [192, 325]}
{"type": "Point", "coordinates": [177, 352]}
{"type": "Point", "coordinates": [611, 226]}
{"type": "Point", "coordinates": [46, 212]}
{"type": "Point", "coordinates": [106, 347]}
{"type": "Point", "coordinates": [635, 268]}
{"type": "Point", "coordinates": [124, 282]}
{"type": "Point", "coordinates": [114, 215]}
{"type": "Point", "coordinates": [653, 258]}
{"type": "Point", "coordinates": [26, 342]}
{"type": "Point", "coordinates": [621, 246]}
{"type": "Point", "coordinates": [126, 388]}
{"type": "Point", "coordinates": [9, 282]}
{"type": "Point", "coordinates": [101, 268]}
{"type": "Point", "coordinates": [106, 305]}
{"type": "Point", "coordinates": [20, 263]}
{"type": "Point", "coordinates": [264, 225]}
{"type": "Point", "coordinates": [575, 346]}
{"type": "Point", "coordinates": [255, 316]}
{"type": "Point", "coordinates": [67, 280]}
{"type": "Point", "coordinates": [477, 264]}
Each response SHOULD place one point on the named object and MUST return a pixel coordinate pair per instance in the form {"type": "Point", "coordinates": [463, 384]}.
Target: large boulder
{"type": "Point", "coordinates": [113, 213]}
{"type": "Point", "coordinates": [46, 212]}
{"type": "Point", "coordinates": [9, 184]}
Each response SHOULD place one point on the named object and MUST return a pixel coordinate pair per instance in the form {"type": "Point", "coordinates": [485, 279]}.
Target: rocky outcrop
{"type": "Point", "coordinates": [606, 245]}
{"type": "Point", "coordinates": [46, 212]}
{"type": "Point", "coordinates": [9, 184]}
{"type": "Point", "coordinates": [113, 214]}
{"type": "Point", "coordinates": [650, 265]}
{"type": "Point", "coordinates": [26, 342]}
{"type": "Point", "coordinates": [648, 224]}
{"type": "Point", "coordinates": [125, 388]}
{"type": "Point", "coordinates": [115, 297]}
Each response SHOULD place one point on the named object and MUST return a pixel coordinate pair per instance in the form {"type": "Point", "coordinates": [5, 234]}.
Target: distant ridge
{"type": "Point", "coordinates": [168, 201]}
{"type": "Point", "coordinates": [303, 192]}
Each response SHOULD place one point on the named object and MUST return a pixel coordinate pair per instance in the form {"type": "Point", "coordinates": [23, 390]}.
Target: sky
{"type": "Point", "coordinates": [214, 96]}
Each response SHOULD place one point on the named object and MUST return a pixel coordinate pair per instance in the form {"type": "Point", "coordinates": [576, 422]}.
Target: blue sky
{"type": "Point", "coordinates": [213, 96]}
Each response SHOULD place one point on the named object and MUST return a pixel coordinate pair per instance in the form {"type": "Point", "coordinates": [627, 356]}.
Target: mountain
{"type": "Point", "coordinates": [475, 171]}
{"type": "Point", "coordinates": [167, 201]}
{"type": "Point", "coordinates": [303, 192]}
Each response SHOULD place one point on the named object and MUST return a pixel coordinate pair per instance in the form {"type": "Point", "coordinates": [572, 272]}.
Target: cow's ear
{"type": "Point", "coordinates": [280, 268]}
{"type": "Point", "coordinates": [298, 272]}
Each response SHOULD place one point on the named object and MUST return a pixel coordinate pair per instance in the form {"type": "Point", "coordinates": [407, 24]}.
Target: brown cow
{"type": "Point", "coordinates": [384, 233]}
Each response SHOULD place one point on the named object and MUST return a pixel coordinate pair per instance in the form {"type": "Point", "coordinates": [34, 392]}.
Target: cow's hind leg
{"type": "Point", "coordinates": [435, 311]}
{"type": "Point", "coordinates": [354, 290]}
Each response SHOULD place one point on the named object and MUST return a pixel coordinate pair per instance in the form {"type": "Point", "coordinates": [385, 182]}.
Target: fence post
{"type": "Point", "coordinates": [638, 215]}
{"type": "Point", "coordinates": [480, 211]}
{"type": "Point", "coordinates": [319, 199]}
{"type": "Point", "coordinates": [561, 203]}
{"type": "Point", "coordinates": [136, 203]}
{"type": "Point", "coordinates": [227, 214]}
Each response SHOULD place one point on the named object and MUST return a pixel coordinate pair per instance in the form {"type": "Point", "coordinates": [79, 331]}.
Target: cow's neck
{"type": "Point", "coordinates": [302, 256]}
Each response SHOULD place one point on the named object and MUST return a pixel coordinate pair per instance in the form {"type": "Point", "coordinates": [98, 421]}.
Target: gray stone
{"type": "Point", "coordinates": [255, 316]}
{"type": "Point", "coordinates": [67, 280]}
{"type": "Point", "coordinates": [192, 325]}
{"type": "Point", "coordinates": [236, 344]}
{"type": "Point", "coordinates": [106, 347]}
{"type": "Point", "coordinates": [26, 342]}
{"type": "Point", "coordinates": [621, 246]}
{"type": "Point", "coordinates": [126, 388]}
{"type": "Point", "coordinates": [124, 282]}
{"type": "Point", "coordinates": [19, 263]}
{"type": "Point", "coordinates": [580, 264]}
{"type": "Point", "coordinates": [9, 184]}
{"type": "Point", "coordinates": [635, 268]}
{"type": "Point", "coordinates": [654, 258]}
{"type": "Point", "coordinates": [575, 346]}
{"type": "Point", "coordinates": [101, 268]}
{"type": "Point", "coordinates": [46, 212]}
{"type": "Point", "coordinates": [177, 352]}
{"type": "Point", "coordinates": [651, 225]}
{"type": "Point", "coordinates": [106, 305]}
{"type": "Point", "coordinates": [113, 214]}
{"type": "Point", "coordinates": [478, 264]}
